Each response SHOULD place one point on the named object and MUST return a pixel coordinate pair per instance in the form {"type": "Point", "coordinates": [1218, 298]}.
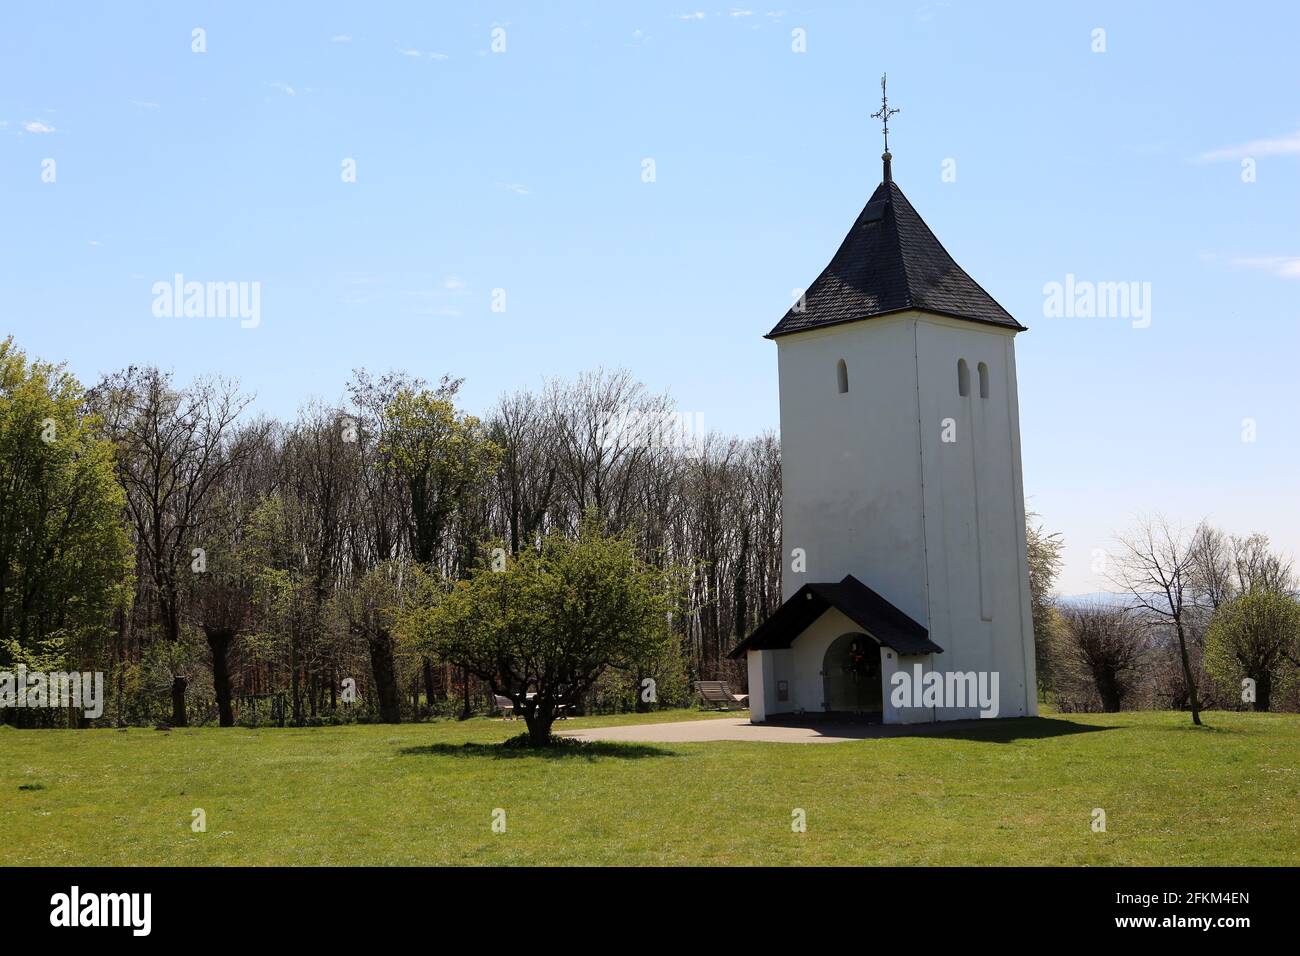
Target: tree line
{"type": "Point", "coordinates": [219, 565]}
{"type": "Point", "coordinates": [353, 563]}
{"type": "Point", "coordinates": [1196, 619]}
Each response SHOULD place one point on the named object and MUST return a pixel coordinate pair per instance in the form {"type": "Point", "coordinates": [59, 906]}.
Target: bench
{"type": "Point", "coordinates": [507, 707]}
{"type": "Point", "coordinates": [717, 693]}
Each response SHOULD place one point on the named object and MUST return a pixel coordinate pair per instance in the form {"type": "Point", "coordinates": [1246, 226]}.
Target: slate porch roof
{"type": "Point", "coordinates": [863, 606]}
{"type": "Point", "coordinates": [891, 262]}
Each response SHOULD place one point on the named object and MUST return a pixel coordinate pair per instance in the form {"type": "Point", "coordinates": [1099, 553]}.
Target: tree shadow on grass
{"type": "Point", "coordinates": [1208, 726]}
{"type": "Point", "coordinates": [568, 749]}
{"type": "Point", "coordinates": [1011, 729]}
{"type": "Point", "coordinates": [994, 730]}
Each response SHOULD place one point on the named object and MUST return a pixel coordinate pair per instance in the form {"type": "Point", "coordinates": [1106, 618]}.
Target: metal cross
{"type": "Point", "coordinates": [884, 112]}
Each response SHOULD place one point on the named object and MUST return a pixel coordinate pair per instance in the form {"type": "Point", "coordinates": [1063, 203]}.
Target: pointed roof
{"type": "Point", "coordinates": [891, 262]}
{"type": "Point", "coordinates": [863, 606]}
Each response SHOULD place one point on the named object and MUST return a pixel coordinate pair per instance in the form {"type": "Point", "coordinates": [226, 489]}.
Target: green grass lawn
{"type": "Point", "coordinates": [1009, 792]}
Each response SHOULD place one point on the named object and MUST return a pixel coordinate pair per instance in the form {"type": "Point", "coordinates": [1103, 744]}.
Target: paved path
{"type": "Point", "coordinates": [739, 728]}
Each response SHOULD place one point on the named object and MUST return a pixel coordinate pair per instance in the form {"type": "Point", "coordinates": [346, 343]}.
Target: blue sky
{"type": "Point", "coordinates": [522, 170]}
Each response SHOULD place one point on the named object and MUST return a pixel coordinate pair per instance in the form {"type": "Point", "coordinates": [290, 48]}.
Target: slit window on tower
{"type": "Point", "coordinates": [842, 376]}
{"type": "Point", "coordinates": [963, 378]}
{"type": "Point", "coordinates": [984, 380]}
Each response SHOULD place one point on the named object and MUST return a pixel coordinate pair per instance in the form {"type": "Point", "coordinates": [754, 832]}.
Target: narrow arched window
{"type": "Point", "coordinates": [842, 376]}
{"type": "Point", "coordinates": [963, 378]}
{"type": "Point", "coordinates": [984, 380]}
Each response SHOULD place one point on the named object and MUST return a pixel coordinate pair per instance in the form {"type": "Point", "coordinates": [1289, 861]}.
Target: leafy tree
{"type": "Point", "coordinates": [443, 461]}
{"type": "Point", "coordinates": [1256, 635]}
{"type": "Point", "coordinates": [437, 452]}
{"type": "Point", "coordinates": [553, 620]}
{"type": "Point", "coordinates": [1043, 551]}
{"type": "Point", "coordinates": [375, 607]}
{"type": "Point", "coordinates": [64, 555]}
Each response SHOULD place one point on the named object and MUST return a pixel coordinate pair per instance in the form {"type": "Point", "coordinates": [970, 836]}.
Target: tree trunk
{"type": "Point", "coordinates": [465, 712]}
{"type": "Point", "coordinates": [219, 644]}
{"type": "Point", "coordinates": [1109, 694]}
{"type": "Point", "coordinates": [178, 701]}
{"type": "Point", "coordinates": [1187, 674]}
{"type": "Point", "coordinates": [381, 662]}
{"type": "Point", "coordinates": [428, 684]}
{"type": "Point", "coordinates": [294, 680]}
{"type": "Point", "coordinates": [1263, 691]}
{"type": "Point", "coordinates": [539, 723]}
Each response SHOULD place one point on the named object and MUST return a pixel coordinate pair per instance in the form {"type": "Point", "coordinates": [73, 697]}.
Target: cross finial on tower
{"type": "Point", "coordinates": [883, 115]}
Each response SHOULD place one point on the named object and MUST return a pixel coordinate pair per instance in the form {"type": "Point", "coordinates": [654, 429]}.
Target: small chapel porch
{"type": "Point", "coordinates": [829, 652]}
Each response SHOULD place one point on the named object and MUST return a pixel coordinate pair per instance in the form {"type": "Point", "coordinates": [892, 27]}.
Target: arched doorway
{"type": "Point", "coordinates": [851, 675]}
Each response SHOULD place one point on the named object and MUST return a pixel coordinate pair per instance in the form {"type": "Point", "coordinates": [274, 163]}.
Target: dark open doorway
{"type": "Point", "coordinates": [851, 677]}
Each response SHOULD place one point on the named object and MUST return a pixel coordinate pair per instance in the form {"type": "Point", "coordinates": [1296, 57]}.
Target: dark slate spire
{"type": "Point", "coordinates": [891, 262]}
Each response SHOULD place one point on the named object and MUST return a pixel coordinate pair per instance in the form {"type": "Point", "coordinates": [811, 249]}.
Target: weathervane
{"type": "Point", "coordinates": [884, 112]}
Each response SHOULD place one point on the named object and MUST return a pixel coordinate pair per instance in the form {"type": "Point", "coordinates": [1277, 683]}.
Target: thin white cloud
{"type": "Point", "coordinates": [697, 15]}
{"type": "Point", "coordinates": [453, 283]}
{"type": "Point", "coordinates": [420, 54]}
{"type": "Point", "coordinates": [1284, 267]}
{"type": "Point", "coordinates": [518, 188]}
{"type": "Point", "coordinates": [1288, 145]}
{"type": "Point", "coordinates": [36, 126]}
{"type": "Point", "coordinates": [284, 88]}
{"type": "Point", "coordinates": [340, 38]}
{"type": "Point", "coordinates": [741, 13]}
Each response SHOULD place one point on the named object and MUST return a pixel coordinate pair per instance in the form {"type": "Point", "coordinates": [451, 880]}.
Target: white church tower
{"type": "Point", "coordinates": [903, 508]}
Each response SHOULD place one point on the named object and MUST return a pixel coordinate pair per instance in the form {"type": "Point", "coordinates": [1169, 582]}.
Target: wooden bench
{"type": "Point", "coordinates": [717, 692]}
{"type": "Point", "coordinates": [507, 707]}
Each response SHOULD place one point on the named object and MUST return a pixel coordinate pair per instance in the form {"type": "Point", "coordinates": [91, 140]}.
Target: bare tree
{"type": "Point", "coordinates": [1155, 567]}
{"type": "Point", "coordinates": [526, 476]}
{"type": "Point", "coordinates": [1106, 647]}
{"type": "Point", "coordinates": [1212, 570]}
{"type": "Point", "coordinates": [1257, 568]}
{"type": "Point", "coordinates": [173, 448]}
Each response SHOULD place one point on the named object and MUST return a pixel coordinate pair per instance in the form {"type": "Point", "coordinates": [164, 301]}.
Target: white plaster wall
{"type": "Point", "coordinates": [974, 512]}
{"type": "Point", "coordinates": [765, 669]}
{"type": "Point", "coordinates": [851, 470]}
{"type": "Point", "coordinates": [761, 684]}
{"type": "Point", "coordinates": [869, 489]}
{"type": "Point", "coordinates": [892, 662]}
